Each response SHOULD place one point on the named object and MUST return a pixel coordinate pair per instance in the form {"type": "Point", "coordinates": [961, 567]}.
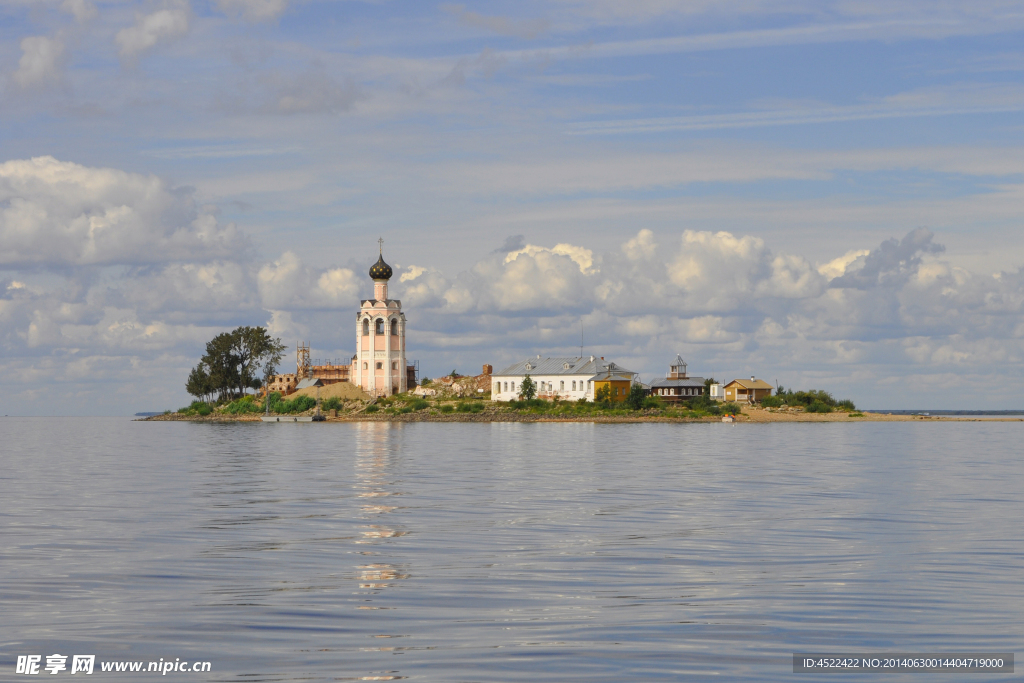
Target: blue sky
{"type": "Point", "coordinates": [829, 194]}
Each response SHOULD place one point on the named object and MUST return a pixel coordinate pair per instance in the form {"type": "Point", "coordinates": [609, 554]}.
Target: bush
{"type": "Point", "coordinates": [771, 402]}
{"type": "Point", "coordinates": [333, 403]}
{"type": "Point", "coordinates": [731, 408]}
{"type": "Point", "coordinates": [447, 408]}
{"type": "Point", "coordinates": [818, 407]}
{"type": "Point", "coordinates": [652, 403]}
{"type": "Point", "coordinates": [476, 407]}
{"type": "Point", "coordinates": [372, 408]}
{"type": "Point", "coordinates": [246, 404]}
{"type": "Point", "coordinates": [847, 405]}
{"type": "Point", "coordinates": [196, 408]}
{"type": "Point", "coordinates": [418, 404]}
{"type": "Point", "coordinates": [299, 404]}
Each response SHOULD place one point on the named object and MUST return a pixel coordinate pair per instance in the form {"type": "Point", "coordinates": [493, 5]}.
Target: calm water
{"type": "Point", "coordinates": [508, 552]}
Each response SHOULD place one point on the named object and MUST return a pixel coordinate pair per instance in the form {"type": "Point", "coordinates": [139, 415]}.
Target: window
{"type": "Point", "coordinates": [513, 385]}
{"type": "Point", "coordinates": [561, 386]}
{"type": "Point", "coordinates": [497, 387]}
{"type": "Point", "coordinates": [574, 386]}
{"type": "Point", "coordinates": [394, 327]}
{"type": "Point", "coordinates": [380, 366]}
{"type": "Point", "coordinates": [365, 366]}
{"type": "Point", "coordinates": [394, 365]}
{"type": "Point", "coordinates": [380, 326]}
{"type": "Point", "coordinates": [366, 327]}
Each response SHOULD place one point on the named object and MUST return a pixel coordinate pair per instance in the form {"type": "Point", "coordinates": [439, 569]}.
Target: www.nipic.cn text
{"type": "Point", "coordinates": [32, 665]}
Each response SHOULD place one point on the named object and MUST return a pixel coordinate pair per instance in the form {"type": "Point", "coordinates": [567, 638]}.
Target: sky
{"type": "Point", "coordinates": [824, 194]}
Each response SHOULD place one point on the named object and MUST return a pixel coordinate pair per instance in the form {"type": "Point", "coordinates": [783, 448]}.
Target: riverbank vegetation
{"type": "Point", "coordinates": [812, 401]}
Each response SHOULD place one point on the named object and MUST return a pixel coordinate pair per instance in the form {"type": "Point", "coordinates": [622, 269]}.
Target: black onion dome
{"type": "Point", "coordinates": [381, 270]}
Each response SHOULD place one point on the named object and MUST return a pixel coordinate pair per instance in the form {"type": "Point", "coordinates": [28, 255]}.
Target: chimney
{"type": "Point", "coordinates": [602, 357]}
{"type": "Point", "coordinates": [751, 378]}
{"type": "Point", "coordinates": [487, 369]}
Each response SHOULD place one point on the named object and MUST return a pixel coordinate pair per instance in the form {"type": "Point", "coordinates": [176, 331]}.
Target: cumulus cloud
{"type": "Point", "coordinates": [253, 10]}
{"type": "Point", "coordinates": [150, 29]}
{"type": "Point", "coordinates": [41, 60]}
{"type": "Point", "coordinates": [102, 270]}
{"type": "Point", "coordinates": [288, 284]}
{"type": "Point", "coordinates": [81, 10]}
{"type": "Point", "coordinates": [59, 213]}
{"type": "Point", "coordinates": [892, 263]}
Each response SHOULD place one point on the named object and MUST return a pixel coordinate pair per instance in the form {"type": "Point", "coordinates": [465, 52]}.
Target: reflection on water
{"type": "Point", "coordinates": [508, 552]}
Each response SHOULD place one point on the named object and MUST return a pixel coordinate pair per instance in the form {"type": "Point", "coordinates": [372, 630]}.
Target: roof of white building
{"type": "Point", "coordinates": [562, 366]}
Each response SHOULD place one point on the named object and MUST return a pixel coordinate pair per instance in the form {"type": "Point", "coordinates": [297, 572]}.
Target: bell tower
{"type": "Point", "coordinates": [380, 365]}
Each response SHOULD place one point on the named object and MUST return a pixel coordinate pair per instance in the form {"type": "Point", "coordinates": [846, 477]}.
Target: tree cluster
{"type": "Point", "coordinates": [244, 358]}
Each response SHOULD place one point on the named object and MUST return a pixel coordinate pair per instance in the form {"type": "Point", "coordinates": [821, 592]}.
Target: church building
{"type": "Point", "coordinates": [379, 367]}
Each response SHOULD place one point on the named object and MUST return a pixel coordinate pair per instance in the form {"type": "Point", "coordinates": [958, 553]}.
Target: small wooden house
{"type": "Point", "coordinates": [749, 391]}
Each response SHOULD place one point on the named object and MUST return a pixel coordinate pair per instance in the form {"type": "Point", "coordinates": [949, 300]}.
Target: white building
{"type": "Point", "coordinates": [379, 366]}
{"type": "Point", "coordinates": [568, 379]}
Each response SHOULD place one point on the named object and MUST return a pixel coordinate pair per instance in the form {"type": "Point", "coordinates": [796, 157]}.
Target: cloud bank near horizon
{"type": "Point", "coordinates": [111, 282]}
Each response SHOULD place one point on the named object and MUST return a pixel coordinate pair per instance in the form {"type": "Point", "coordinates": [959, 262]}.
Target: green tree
{"type": "Point", "coordinates": [603, 395]}
{"type": "Point", "coordinates": [707, 385]}
{"type": "Point", "coordinates": [528, 389]}
{"type": "Point", "coordinates": [199, 384]}
{"type": "Point", "coordinates": [635, 399]}
{"type": "Point", "coordinates": [234, 361]}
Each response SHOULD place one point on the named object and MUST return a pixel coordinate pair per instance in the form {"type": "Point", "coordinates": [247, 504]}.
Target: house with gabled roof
{"type": "Point", "coordinates": [567, 379]}
{"type": "Point", "coordinates": [749, 391]}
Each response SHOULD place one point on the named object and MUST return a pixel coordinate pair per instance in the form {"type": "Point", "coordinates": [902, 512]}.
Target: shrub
{"type": "Point", "coordinates": [771, 402]}
{"type": "Point", "coordinates": [652, 403]}
{"type": "Point", "coordinates": [447, 408]}
{"type": "Point", "coordinates": [846, 404]}
{"type": "Point", "coordinates": [856, 415]}
{"type": "Point", "coordinates": [333, 403]}
{"type": "Point", "coordinates": [818, 407]}
{"type": "Point", "coordinates": [404, 409]}
{"type": "Point", "coordinates": [372, 408]}
{"type": "Point", "coordinates": [731, 408]}
{"type": "Point", "coordinates": [418, 404]}
{"type": "Point", "coordinates": [476, 407]}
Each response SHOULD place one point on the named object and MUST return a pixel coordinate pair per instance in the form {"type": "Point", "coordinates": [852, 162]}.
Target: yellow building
{"type": "Point", "coordinates": [617, 380]}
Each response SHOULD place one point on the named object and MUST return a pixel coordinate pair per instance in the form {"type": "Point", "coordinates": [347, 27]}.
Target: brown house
{"type": "Point", "coordinates": [751, 391]}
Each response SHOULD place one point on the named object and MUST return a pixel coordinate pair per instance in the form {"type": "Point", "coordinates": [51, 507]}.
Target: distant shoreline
{"type": "Point", "coordinates": [749, 415]}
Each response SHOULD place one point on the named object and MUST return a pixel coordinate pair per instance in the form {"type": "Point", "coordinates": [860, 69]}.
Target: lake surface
{"type": "Point", "coordinates": [508, 551]}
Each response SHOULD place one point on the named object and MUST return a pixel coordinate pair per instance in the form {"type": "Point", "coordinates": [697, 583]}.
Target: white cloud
{"type": "Point", "coordinates": [40, 61]}
{"type": "Point", "coordinates": [82, 10]}
{"type": "Point", "coordinates": [62, 214]}
{"type": "Point", "coordinates": [253, 10]}
{"type": "Point", "coordinates": [150, 29]}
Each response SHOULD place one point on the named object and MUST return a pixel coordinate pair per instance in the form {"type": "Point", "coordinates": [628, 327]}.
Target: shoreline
{"type": "Point", "coordinates": [749, 415]}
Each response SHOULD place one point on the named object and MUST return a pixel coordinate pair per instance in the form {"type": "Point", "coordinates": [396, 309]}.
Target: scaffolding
{"type": "Point", "coordinates": [303, 366]}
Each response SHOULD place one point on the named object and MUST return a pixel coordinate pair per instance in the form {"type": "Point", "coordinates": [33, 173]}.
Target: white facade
{"type": "Point", "coordinates": [568, 379]}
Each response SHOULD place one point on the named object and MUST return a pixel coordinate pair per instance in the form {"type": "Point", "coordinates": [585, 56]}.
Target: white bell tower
{"type": "Point", "coordinates": [380, 365]}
